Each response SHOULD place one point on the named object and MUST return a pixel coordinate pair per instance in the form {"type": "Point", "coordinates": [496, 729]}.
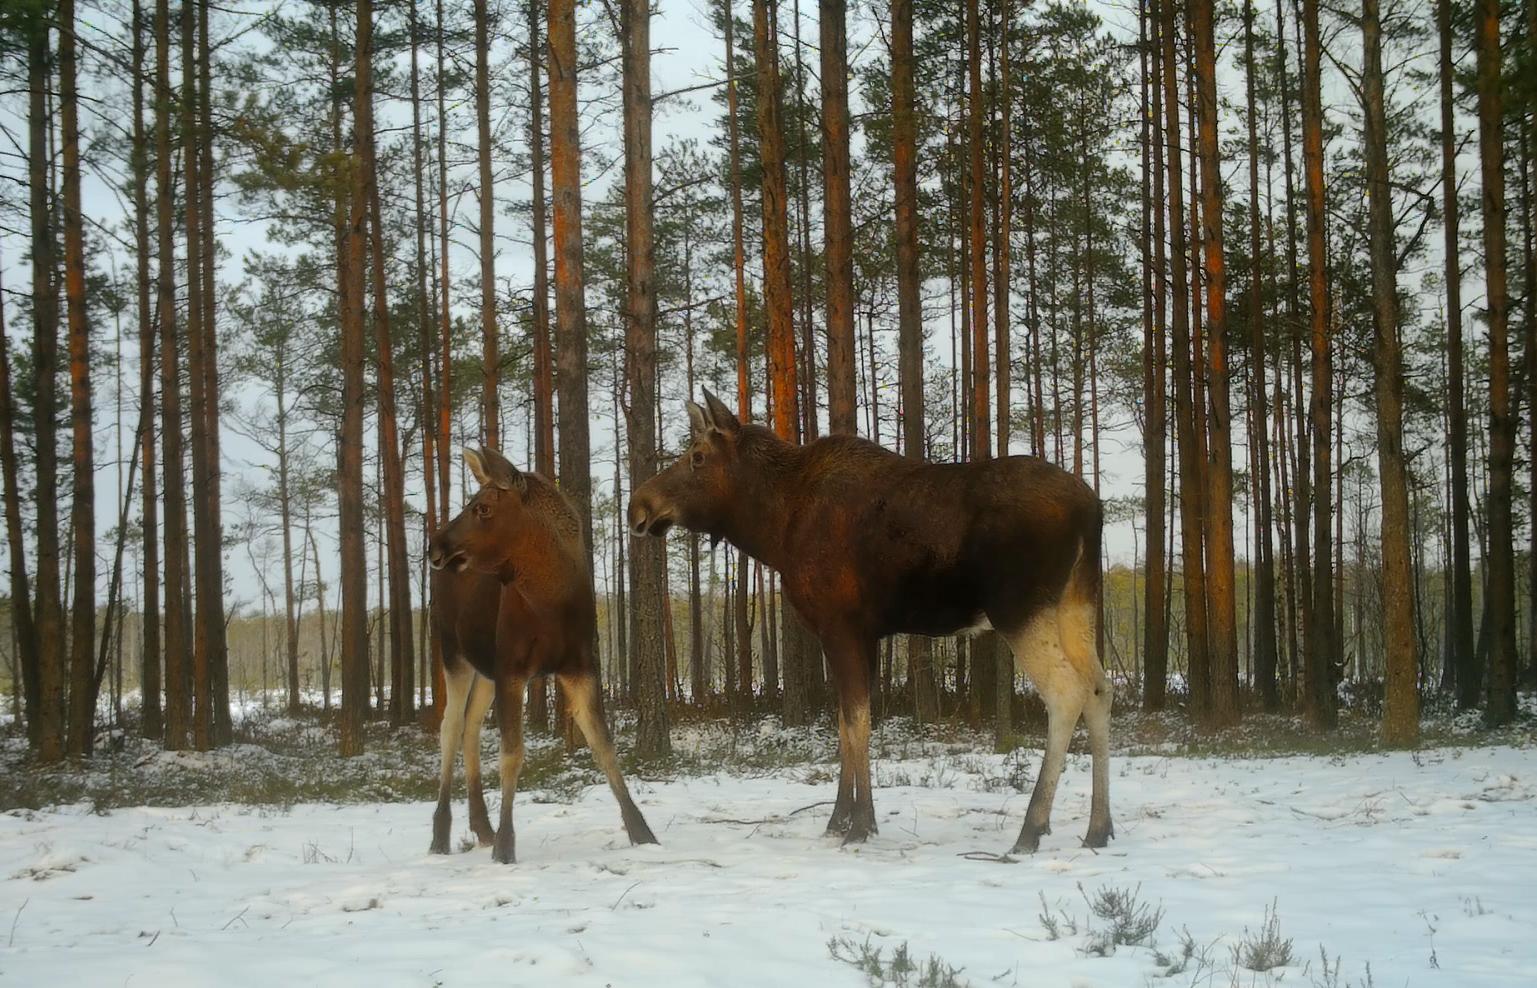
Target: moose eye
{"type": "Point", "coordinates": [482, 510]}
{"type": "Point", "coordinates": [697, 458]}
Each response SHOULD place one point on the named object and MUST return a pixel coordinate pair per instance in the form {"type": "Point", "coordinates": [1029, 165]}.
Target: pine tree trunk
{"type": "Point", "coordinates": [51, 712]}
{"type": "Point", "coordinates": [218, 645]}
{"type": "Point", "coordinates": [1319, 678]}
{"type": "Point", "coordinates": [1501, 695]}
{"type": "Point", "coordinates": [428, 642]}
{"type": "Point", "coordinates": [1155, 370]}
{"type": "Point", "coordinates": [920, 650]}
{"type": "Point", "coordinates": [397, 568]}
{"type": "Point", "coordinates": [490, 408]}
{"type": "Point", "coordinates": [178, 619]}
{"type": "Point", "coordinates": [1265, 592]}
{"type": "Point", "coordinates": [647, 559]}
{"type": "Point", "coordinates": [197, 434]}
{"type": "Point", "coordinates": [784, 387]}
{"type": "Point", "coordinates": [570, 304]}
{"type": "Point", "coordinates": [1220, 568]}
{"type": "Point", "coordinates": [1401, 708]}
{"type": "Point", "coordinates": [151, 724]}
{"type": "Point", "coordinates": [537, 710]}
{"type": "Point", "coordinates": [838, 233]}
{"type": "Point", "coordinates": [1184, 410]}
{"type": "Point", "coordinates": [349, 474]}
{"type": "Point", "coordinates": [21, 592]}
{"type": "Point", "coordinates": [1402, 704]}
{"type": "Point", "coordinates": [1462, 659]}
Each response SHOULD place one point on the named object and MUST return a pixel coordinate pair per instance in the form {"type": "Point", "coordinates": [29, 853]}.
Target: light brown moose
{"type": "Point", "coordinates": [870, 543]}
{"type": "Point", "coordinates": [512, 600]}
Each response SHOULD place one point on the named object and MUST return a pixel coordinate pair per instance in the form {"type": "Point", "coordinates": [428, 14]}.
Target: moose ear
{"type": "Point", "coordinates": [720, 416]}
{"type": "Point", "coordinates": [500, 472]}
{"type": "Point", "coordinates": [477, 466]}
{"type": "Point", "coordinates": [697, 417]}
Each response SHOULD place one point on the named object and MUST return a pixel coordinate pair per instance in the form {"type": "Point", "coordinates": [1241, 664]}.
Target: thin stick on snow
{"type": "Point", "coordinates": [16, 919]}
{"type": "Point", "coordinates": [621, 896]}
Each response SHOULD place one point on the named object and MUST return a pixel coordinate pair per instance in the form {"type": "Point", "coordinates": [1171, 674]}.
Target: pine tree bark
{"type": "Point", "coordinates": [647, 559]}
{"type": "Point", "coordinates": [1401, 707]}
{"type": "Point", "coordinates": [349, 474]}
{"type": "Point", "coordinates": [490, 408]}
{"type": "Point", "coordinates": [396, 566]}
{"type": "Point", "coordinates": [45, 347]}
{"type": "Point", "coordinates": [1184, 409]}
{"type": "Point", "coordinates": [837, 224]}
{"type": "Point", "coordinates": [742, 639]}
{"type": "Point", "coordinates": [16, 544]}
{"type": "Point", "coordinates": [82, 639]}
{"type": "Point", "coordinates": [570, 303]}
{"type": "Point", "coordinates": [1321, 702]}
{"type": "Point", "coordinates": [981, 409]}
{"type": "Point", "coordinates": [151, 724]}
{"type": "Point", "coordinates": [1302, 471]}
{"type": "Point", "coordinates": [178, 619]}
{"type": "Point", "coordinates": [1264, 634]}
{"type": "Point", "coordinates": [208, 596]}
{"type": "Point", "coordinates": [425, 320]}
{"type": "Point", "coordinates": [218, 645]}
{"type": "Point", "coordinates": [904, 140]}
{"type": "Point", "coordinates": [1155, 648]}
{"type": "Point", "coordinates": [784, 387]}
{"type": "Point", "coordinates": [1461, 655]}
{"type": "Point", "coordinates": [1501, 696]}
{"type": "Point", "coordinates": [1221, 579]}
{"type": "Point", "coordinates": [537, 709]}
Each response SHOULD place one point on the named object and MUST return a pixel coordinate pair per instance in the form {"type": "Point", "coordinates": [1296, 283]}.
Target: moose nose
{"type": "Point", "coordinates": [638, 513]}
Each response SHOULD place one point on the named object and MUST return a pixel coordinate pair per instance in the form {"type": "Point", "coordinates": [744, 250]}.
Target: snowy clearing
{"type": "Point", "coordinates": [1422, 865]}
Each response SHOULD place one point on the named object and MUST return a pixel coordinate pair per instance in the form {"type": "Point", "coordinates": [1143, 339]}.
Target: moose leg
{"type": "Point", "coordinates": [1078, 641]}
{"type": "Point", "coordinates": [851, 660]}
{"type": "Point", "coordinates": [838, 823]}
{"type": "Point", "coordinates": [457, 674]}
{"type": "Point", "coordinates": [482, 692]}
{"type": "Point", "coordinates": [1039, 649]}
{"type": "Point", "coordinates": [587, 710]}
{"type": "Point", "coordinates": [509, 717]}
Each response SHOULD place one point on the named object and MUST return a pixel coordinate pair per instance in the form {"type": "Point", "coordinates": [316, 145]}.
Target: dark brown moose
{"type": "Point", "coordinates": [870, 543]}
{"type": "Point", "coordinates": [512, 601]}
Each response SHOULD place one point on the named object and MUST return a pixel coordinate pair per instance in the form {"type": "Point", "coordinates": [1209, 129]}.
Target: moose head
{"type": "Point", "coordinates": [481, 537]}
{"type": "Point", "coordinates": [700, 490]}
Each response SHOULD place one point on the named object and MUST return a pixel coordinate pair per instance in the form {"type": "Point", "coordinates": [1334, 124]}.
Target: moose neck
{"type": "Point", "coordinates": [759, 516]}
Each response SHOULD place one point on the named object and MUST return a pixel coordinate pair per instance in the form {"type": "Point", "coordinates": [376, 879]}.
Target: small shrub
{"type": "Point", "coordinates": [1131, 922]}
{"type": "Point", "coordinates": [1055, 923]}
{"type": "Point", "coordinates": [897, 971]}
{"type": "Point", "coordinates": [1264, 949]}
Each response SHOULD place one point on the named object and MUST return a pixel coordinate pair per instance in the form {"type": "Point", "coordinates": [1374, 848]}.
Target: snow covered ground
{"type": "Point", "coordinates": [1423, 866]}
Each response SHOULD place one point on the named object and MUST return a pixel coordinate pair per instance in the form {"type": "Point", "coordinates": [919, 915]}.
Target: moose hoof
{"type": "Point", "coordinates": [503, 849]}
{"type": "Point", "coordinates": [1029, 839]}
{"type": "Point", "coordinates": [484, 835]}
{"type": "Point", "coordinates": [1099, 836]}
{"type": "Point", "coordinates": [442, 823]}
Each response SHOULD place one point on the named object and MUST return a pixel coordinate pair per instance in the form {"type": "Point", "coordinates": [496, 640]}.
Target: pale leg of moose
{"type": "Point", "coordinates": [510, 721]}
{"type": "Point", "coordinates": [482, 692]}
{"type": "Point", "coordinates": [587, 710]}
{"type": "Point", "coordinates": [838, 823]}
{"type": "Point", "coordinates": [1039, 651]}
{"type": "Point", "coordinates": [457, 676]}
